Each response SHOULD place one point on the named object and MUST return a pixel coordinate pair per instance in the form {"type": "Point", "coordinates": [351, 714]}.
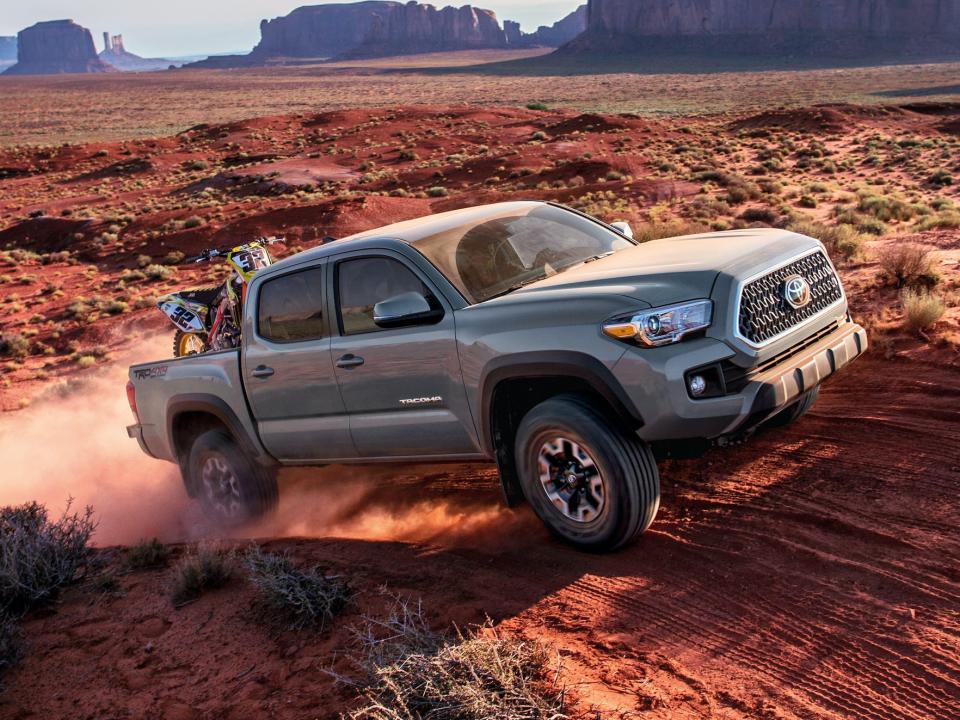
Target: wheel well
{"type": "Point", "coordinates": [513, 398]}
{"type": "Point", "coordinates": [187, 426]}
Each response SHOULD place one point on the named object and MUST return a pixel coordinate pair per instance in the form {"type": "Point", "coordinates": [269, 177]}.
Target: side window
{"type": "Point", "coordinates": [364, 282]}
{"type": "Point", "coordinates": [291, 307]}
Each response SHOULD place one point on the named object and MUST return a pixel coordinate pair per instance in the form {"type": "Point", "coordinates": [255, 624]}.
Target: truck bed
{"type": "Point", "coordinates": [181, 382]}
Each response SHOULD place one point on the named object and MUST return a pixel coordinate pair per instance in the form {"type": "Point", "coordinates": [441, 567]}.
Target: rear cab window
{"type": "Point", "coordinates": [290, 307]}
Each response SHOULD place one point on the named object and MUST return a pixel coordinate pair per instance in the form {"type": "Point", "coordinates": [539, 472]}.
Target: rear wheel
{"type": "Point", "coordinates": [232, 487]}
{"type": "Point", "coordinates": [593, 484]}
{"type": "Point", "coordinates": [796, 411]}
{"type": "Point", "coordinates": [187, 343]}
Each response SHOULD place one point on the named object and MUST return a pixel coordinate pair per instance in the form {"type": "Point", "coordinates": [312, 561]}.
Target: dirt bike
{"type": "Point", "coordinates": [209, 319]}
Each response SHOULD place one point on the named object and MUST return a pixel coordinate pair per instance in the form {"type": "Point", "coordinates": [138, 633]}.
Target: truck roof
{"type": "Point", "coordinates": [410, 231]}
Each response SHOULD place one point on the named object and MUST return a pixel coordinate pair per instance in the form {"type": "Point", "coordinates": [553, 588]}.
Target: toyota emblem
{"type": "Point", "coordinates": [796, 292]}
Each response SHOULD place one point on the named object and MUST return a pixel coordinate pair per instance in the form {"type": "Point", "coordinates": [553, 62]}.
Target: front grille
{"type": "Point", "coordinates": [765, 314]}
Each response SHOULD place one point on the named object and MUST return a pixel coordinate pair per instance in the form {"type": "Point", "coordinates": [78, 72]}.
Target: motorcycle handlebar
{"type": "Point", "coordinates": [220, 252]}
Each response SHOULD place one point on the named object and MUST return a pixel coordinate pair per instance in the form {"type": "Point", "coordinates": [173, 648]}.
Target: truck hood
{"type": "Point", "coordinates": [673, 270]}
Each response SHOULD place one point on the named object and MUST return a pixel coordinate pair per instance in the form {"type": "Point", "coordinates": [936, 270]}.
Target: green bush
{"type": "Point", "coordinates": [921, 309]}
{"type": "Point", "coordinates": [147, 554]}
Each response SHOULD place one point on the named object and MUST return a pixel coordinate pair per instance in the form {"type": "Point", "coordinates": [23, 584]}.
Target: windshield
{"type": "Point", "coordinates": [500, 254]}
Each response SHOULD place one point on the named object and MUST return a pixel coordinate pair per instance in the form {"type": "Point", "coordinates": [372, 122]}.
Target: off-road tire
{"type": "Point", "coordinates": [790, 415]}
{"type": "Point", "coordinates": [254, 493]}
{"type": "Point", "coordinates": [631, 483]}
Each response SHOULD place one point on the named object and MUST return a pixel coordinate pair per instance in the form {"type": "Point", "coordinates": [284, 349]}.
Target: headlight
{"type": "Point", "coordinates": [661, 326]}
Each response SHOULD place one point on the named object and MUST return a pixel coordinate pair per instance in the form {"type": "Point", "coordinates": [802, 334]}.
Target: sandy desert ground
{"type": "Point", "coordinates": [811, 573]}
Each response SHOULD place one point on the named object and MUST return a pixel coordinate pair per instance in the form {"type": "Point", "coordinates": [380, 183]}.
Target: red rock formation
{"type": "Point", "coordinates": [560, 33]}
{"type": "Point", "coordinates": [58, 46]}
{"type": "Point", "coordinates": [374, 28]}
{"type": "Point", "coordinates": [845, 26]}
{"type": "Point", "coordinates": [116, 54]}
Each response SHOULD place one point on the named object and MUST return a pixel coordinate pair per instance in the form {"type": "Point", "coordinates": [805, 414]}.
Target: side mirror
{"type": "Point", "coordinates": [623, 228]}
{"type": "Point", "coordinates": [405, 310]}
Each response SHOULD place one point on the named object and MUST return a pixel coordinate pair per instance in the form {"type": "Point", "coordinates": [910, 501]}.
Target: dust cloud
{"type": "Point", "coordinates": [72, 444]}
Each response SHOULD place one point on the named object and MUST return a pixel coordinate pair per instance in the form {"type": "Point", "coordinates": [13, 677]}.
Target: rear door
{"type": "Point", "coordinates": [402, 387]}
{"type": "Point", "coordinates": [287, 369]}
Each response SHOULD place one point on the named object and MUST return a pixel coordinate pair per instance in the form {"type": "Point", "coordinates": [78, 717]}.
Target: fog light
{"type": "Point", "coordinates": [698, 385]}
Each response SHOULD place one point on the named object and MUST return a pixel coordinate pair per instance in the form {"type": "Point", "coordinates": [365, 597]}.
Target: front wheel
{"type": "Point", "coordinates": [188, 343]}
{"type": "Point", "coordinates": [593, 484]}
{"type": "Point", "coordinates": [231, 486]}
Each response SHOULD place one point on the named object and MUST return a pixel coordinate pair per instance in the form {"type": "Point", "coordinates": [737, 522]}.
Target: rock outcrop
{"type": "Point", "coordinates": [844, 27]}
{"type": "Point", "coordinates": [378, 28]}
{"type": "Point", "coordinates": [560, 33]}
{"type": "Point", "coordinates": [8, 49]}
{"type": "Point", "coordinates": [115, 54]}
{"type": "Point", "coordinates": [54, 47]}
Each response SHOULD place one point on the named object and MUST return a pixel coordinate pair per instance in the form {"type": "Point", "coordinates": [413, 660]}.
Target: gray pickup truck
{"type": "Point", "coordinates": [524, 333]}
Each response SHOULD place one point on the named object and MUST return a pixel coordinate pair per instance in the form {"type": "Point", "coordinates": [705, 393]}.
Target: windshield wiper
{"type": "Point", "coordinates": [601, 256]}
{"type": "Point", "coordinates": [517, 286]}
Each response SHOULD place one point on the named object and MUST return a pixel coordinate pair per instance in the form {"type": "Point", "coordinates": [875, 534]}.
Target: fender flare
{"type": "Point", "coordinates": [551, 364]}
{"type": "Point", "coordinates": [218, 408]}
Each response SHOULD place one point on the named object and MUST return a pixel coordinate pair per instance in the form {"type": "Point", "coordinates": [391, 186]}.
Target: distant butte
{"type": "Point", "coordinates": [381, 29]}
{"type": "Point", "coordinates": [56, 47]}
{"type": "Point", "coordinates": [838, 28]}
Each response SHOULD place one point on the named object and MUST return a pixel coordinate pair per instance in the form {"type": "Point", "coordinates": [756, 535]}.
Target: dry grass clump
{"type": "Point", "coordinates": [303, 598]}
{"type": "Point", "coordinates": [147, 554]}
{"type": "Point", "coordinates": [207, 567]}
{"type": "Point", "coordinates": [415, 674]}
{"type": "Point", "coordinates": [921, 309]}
{"type": "Point", "coordinates": [908, 265]}
{"type": "Point", "coordinates": [659, 230]}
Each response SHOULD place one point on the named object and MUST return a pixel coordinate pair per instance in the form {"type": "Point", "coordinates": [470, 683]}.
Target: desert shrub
{"type": "Point", "coordinates": [14, 345]}
{"type": "Point", "coordinates": [437, 192]}
{"type": "Point", "coordinates": [539, 135]}
{"type": "Point", "coordinates": [537, 106]}
{"type": "Point", "coordinates": [921, 309]}
{"type": "Point", "coordinates": [195, 165]}
{"type": "Point", "coordinates": [760, 215]}
{"type": "Point", "coordinates": [614, 176]}
{"type": "Point", "coordinates": [175, 257]}
{"type": "Point", "coordinates": [942, 221]}
{"type": "Point", "coordinates": [908, 265]}
{"type": "Point", "coordinates": [941, 178]}
{"type": "Point", "coordinates": [157, 272]}
{"type": "Point", "coordinates": [115, 307]}
{"type": "Point", "coordinates": [205, 568]}
{"type": "Point", "coordinates": [807, 201]}
{"type": "Point", "coordinates": [414, 674]}
{"type": "Point", "coordinates": [193, 221]}
{"type": "Point", "coordinates": [146, 554]}
{"type": "Point", "coordinates": [38, 555]}
{"type": "Point", "coordinates": [658, 230]}
{"type": "Point", "coordinates": [303, 597]}
{"type": "Point", "coordinates": [842, 241]}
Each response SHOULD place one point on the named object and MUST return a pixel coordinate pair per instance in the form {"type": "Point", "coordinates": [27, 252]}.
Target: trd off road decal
{"type": "Point", "coordinates": [157, 371]}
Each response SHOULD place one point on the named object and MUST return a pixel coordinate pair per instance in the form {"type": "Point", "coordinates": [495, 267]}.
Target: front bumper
{"type": "Point", "coordinates": [657, 385]}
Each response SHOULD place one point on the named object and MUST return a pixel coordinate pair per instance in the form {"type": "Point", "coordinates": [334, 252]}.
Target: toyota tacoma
{"type": "Point", "coordinates": [525, 334]}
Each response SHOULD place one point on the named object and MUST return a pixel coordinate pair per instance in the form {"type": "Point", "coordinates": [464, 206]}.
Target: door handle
{"type": "Point", "coordinates": [262, 372]}
{"type": "Point", "coordinates": [349, 361]}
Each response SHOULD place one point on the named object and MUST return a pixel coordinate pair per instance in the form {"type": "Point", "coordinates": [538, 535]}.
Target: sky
{"type": "Point", "coordinates": [200, 27]}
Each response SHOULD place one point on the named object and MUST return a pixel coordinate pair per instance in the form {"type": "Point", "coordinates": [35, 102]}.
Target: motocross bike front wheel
{"type": "Point", "coordinates": [188, 343]}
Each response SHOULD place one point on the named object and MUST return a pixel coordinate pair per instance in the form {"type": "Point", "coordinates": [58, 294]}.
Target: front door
{"type": "Point", "coordinates": [288, 372]}
{"type": "Point", "coordinates": [402, 387]}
